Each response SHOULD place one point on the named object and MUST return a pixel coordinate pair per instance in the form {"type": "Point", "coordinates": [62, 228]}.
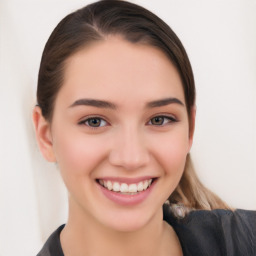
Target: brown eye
{"type": "Point", "coordinates": [94, 122]}
{"type": "Point", "coordinates": [158, 120]}
{"type": "Point", "coordinates": [161, 120]}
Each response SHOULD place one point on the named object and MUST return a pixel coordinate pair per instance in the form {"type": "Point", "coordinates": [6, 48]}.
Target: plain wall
{"type": "Point", "coordinates": [220, 38]}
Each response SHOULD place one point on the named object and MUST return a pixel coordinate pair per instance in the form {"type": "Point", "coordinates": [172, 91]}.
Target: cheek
{"type": "Point", "coordinates": [172, 152]}
{"type": "Point", "coordinates": [78, 154]}
{"type": "Point", "coordinates": [174, 159]}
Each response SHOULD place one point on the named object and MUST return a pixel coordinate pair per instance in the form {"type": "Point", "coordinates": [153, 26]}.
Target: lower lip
{"type": "Point", "coordinates": [123, 199]}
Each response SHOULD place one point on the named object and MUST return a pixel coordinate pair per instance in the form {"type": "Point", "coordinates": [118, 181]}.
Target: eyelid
{"type": "Point", "coordinates": [85, 119]}
{"type": "Point", "coordinates": [171, 118]}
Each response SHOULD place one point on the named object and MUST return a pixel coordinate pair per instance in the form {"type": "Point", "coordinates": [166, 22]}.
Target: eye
{"type": "Point", "coordinates": [161, 120]}
{"type": "Point", "coordinates": [94, 122]}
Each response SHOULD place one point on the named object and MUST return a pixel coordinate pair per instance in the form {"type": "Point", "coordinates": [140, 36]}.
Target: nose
{"type": "Point", "coordinates": [129, 150]}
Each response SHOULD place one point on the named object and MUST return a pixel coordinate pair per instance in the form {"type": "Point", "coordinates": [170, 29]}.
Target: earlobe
{"type": "Point", "coordinates": [43, 135]}
{"type": "Point", "coordinates": [192, 125]}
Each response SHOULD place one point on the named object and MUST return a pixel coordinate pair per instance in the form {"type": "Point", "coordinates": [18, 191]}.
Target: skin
{"type": "Point", "coordinates": [129, 143]}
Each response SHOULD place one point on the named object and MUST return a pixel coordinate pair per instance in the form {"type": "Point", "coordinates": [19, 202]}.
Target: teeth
{"type": "Point", "coordinates": [140, 186]}
{"type": "Point", "coordinates": [116, 186]}
{"type": "Point", "coordinates": [132, 188]}
{"type": "Point", "coordinates": [145, 184]}
{"type": "Point", "coordinates": [109, 185]}
{"type": "Point", "coordinates": [125, 188]}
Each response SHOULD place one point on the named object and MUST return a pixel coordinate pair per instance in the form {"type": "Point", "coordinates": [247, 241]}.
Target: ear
{"type": "Point", "coordinates": [43, 135]}
{"type": "Point", "coordinates": [192, 125]}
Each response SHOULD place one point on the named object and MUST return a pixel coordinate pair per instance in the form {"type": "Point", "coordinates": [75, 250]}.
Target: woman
{"type": "Point", "coordinates": [116, 112]}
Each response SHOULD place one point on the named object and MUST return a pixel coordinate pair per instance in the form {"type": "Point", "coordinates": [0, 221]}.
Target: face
{"type": "Point", "coordinates": [120, 133]}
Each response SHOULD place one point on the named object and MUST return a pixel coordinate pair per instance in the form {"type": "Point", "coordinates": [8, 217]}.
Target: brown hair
{"type": "Point", "coordinates": [137, 25]}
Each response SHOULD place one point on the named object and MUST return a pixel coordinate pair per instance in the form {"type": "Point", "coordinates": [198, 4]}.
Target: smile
{"type": "Point", "coordinates": [125, 191]}
{"type": "Point", "coordinates": [124, 188]}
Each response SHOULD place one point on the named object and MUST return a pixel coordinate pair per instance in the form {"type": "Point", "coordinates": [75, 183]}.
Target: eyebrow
{"type": "Point", "coordinates": [163, 102]}
{"type": "Point", "coordinates": [106, 104]}
{"type": "Point", "coordinates": [94, 103]}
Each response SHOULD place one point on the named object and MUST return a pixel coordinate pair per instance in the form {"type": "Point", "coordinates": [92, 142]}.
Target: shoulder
{"type": "Point", "coordinates": [216, 232]}
{"type": "Point", "coordinates": [52, 247]}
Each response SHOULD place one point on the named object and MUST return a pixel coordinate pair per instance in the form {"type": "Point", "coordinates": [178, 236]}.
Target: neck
{"type": "Point", "coordinates": [83, 235]}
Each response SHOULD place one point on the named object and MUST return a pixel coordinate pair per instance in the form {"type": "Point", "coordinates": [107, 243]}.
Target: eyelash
{"type": "Point", "coordinates": [100, 119]}
{"type": "Point", "coordinates": [166, 120]}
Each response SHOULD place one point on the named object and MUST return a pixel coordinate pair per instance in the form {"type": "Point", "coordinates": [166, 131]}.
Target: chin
{"type": "Point", "coordinates": [131, 221]}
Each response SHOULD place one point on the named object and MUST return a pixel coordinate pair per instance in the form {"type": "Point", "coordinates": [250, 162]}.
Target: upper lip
{"type": "Point", "coordinates": [127, 180]}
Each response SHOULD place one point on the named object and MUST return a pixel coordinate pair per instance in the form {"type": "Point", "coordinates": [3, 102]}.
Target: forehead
{"type": "Point", "coordinates": [118, 70]}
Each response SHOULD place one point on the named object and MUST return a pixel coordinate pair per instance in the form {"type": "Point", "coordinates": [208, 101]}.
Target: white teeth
{"type": "Point", "coordinates": [116, 186]}
{"type": "Point", "coordinates": [125, 188]}
{"type": "Point", "coordinates": [132, 188]}
{"type": "Point", "coordinates": [145, 184]}
{"type": "Point", "coordinates": [109, 185]}
{"type": "Point", "coordinates": [140, 186]}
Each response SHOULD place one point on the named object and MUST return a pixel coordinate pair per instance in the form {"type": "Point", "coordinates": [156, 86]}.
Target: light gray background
{"type": "Point", "coordinates": [220, 38]}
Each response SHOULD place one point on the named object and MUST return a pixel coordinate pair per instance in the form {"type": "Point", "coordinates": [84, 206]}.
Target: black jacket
{"type": "Point", "coordinates": [201, 233]}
